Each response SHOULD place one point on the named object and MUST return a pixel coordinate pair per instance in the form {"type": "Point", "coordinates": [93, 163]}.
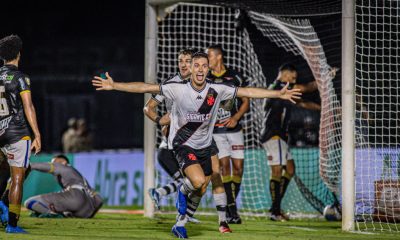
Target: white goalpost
{"type": "Point", "coordinates": [357, 162]}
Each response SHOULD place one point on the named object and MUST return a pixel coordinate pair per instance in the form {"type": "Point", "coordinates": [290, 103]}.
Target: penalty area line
{"type": "Point", "coordinates": [121, 211]}
{"type": "Point", "coordinates": [303, 228]}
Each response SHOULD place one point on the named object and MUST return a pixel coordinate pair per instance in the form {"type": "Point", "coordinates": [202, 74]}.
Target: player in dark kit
{"type": "Point", "coordinates": [275, 136]}
{"type": "Point", "coordinates": [17, 120]}
{"type": "Point", "coordinates": [228, 133]}
{"type": "Point", "coordinates": [77, 198]}
{"type": "Point", "coordinates": [192, 118]}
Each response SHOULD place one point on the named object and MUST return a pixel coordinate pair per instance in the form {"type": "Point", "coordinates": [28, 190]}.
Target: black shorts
{"type": "Point", "coordinates": [214, 148]}
{"type": "Point", "coordinates": [187, 156]}
{"type": "Point", "coordinates": [168, 162]}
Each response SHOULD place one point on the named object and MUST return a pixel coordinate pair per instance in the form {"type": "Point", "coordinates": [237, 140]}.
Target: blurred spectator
{"type": "Point", "coordinates": [83, 137]}
{"type": "Point", "coordinates": [70, 135]}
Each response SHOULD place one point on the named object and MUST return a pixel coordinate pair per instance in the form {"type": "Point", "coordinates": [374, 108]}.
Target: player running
{"type": "Point", "coordinates": [192, 119]}
{"type": "Point", "coordinates": [166, 156]}
{"type": "Point", "coordinates": [77, 198]}
{"type": "Point", "coordinates": [228, 133]}
{"type": "Point", "coordinates": [17, 120]}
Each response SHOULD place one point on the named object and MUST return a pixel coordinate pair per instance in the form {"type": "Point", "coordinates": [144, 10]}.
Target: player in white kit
{"type": "Point", "coordinates": [192, 117]}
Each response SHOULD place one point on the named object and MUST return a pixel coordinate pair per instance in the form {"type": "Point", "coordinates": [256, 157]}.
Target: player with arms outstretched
{"type": "Point", "coordinates": [192, 121]}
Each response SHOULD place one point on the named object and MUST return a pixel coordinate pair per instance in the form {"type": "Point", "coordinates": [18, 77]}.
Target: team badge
{"type": "Point", "coordinates": [210, 99]}
{"type": "Point", "coordinates": [192, 157]}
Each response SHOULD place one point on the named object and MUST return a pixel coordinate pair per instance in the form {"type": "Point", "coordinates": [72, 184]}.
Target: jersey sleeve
{"type": "Point", "coordinates": [52, 168]}
{"type": "Point", "coordinates": [158, 98]}
{"type": "Point", "coordinates": [169, 90]}
{"type": "Point", "coordinates": [225, 91]}
{"type": "Point", "coordinates": [24, 83]}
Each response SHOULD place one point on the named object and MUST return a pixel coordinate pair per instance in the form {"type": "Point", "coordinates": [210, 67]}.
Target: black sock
{"type": "Point", "coordinates": [237, 181]}
{"type": "Point", "coordinates": [285, 180]}
{"type": "Point", "coordinates": [12, 219]}
{"type": "Point", "coordinates": [230, 196]}
{"type": "Point", "coordinates": [274, 188]}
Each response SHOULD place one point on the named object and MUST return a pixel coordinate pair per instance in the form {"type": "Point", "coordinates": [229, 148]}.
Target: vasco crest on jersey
{"type": "Point", "coordinates": [210, 99]}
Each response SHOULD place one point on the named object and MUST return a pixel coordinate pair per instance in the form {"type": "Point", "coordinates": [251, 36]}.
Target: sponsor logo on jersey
{"type": "Point", "coordinates": [4, 124]}
{"type": "Point", "coordinates": [197, 117]}
{"type": "Point", "coordinates": [210, 99]}
{"type": "Point", "coordinates": [199, 97]}
{"type": "Point", "coordinates": [237, 147]}
{"type": "Point", "coordinates": [192, 157]}
{"type": "Point", "coordinates": [228, 78]}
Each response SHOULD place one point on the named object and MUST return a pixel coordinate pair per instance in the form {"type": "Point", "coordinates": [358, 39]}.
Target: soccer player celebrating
{"type": "Point", "coordinates": [192, 118]}
{"type": "Point", "coordinates": [17, 120]}
{"type": "Point", "coordinates": [166, 156]}
{"type": "Point", "coordinates": [77, 199]}
{"type": "Point", "coordinates": [275, 136]}
{"type": "Point", "coordinates": [228, 133]}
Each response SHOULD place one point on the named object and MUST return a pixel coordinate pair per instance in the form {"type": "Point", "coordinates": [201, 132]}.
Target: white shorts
{"type": "Point", "coordinates": [18, 153]}
{"type": "Point", "coordinates": [277, 152]}
{"type": "Point", "coordinates": [230, 144]}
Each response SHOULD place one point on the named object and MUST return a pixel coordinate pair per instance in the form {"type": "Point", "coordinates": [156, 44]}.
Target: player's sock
{"type": "Point", "coordinates": [13, 214]}
{"type": "Point", "coordinates": [192, 204]}
{"type": "Point", "coordinates": [227, 181]}
{"type": "Point", "coordinates": [186, 187]}
{"type": "Point", "coordinates": [285, 180]}
{"type": "Point", "coordinates": [181, 221]}
{"type": "Point", "coordinates": [37, 207]}
{"type": "Point", "coordinates": [274, 188]}
{"type": "Point", "coordinates": [237, 181]}
{"type": "Point", "coordinates": [220, 202]}
{"type": "Point", "coordinates": [169, 188]}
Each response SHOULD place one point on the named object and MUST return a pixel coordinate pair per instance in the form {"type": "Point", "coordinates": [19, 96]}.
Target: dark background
{"type": "Point", "coordinates": [67, 42]}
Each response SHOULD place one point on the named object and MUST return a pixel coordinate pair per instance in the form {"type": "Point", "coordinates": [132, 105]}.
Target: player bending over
{"type": "Point", "coordinates": [193, 117]}
{"type": "Point", "coordinates": [275, 136]}
{"type": "Point", "coordinates": [77, 198]}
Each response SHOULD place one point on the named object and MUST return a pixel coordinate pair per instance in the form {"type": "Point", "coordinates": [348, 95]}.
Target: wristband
{"type": "Point", "coordinates": [158, 120]}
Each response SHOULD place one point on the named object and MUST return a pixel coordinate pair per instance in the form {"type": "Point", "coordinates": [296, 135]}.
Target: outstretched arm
{"type": "Point", "coordinates": [284, 93]}
{"type": "Point", "coordinates": [47, 167]}
{"type": "Point", "coordinates": [134, 87]}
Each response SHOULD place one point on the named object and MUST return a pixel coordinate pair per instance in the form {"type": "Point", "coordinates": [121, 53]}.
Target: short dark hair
{"type": "Point", "coordinates": [186, 51]}
{"type": "Point", "coordinates": [10, 46]}
{"type": "Point", "coordinates": [200, 55]}
{"type": "Point", "coordinates": [287, 67]}
{"type": "Point", "coordinates": [62, 156]}
{"type": "Point", "coordinates": [217, 48]}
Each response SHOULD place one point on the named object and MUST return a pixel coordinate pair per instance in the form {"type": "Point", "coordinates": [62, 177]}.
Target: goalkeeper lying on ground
{"type": "Point", "coordinates": [77, 198]}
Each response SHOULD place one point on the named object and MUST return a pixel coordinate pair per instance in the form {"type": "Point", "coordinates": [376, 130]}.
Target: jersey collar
{"type": "Point", "coordinates": [199, 91]}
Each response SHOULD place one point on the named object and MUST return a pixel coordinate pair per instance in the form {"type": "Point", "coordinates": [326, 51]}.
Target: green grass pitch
{"type": "Point", "coordinates": [127, 226]}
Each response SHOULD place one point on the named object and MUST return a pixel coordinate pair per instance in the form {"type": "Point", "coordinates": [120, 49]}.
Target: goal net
{"type": "Point", "coordinates": [199, 26]}
{"type": "Point", "coordinates": [377, 120]}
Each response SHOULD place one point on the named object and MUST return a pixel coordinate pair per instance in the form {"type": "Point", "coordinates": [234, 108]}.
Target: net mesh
{"type": "Point", "coordinates": [377, 115]}
{"type": "Point", "coordinates": [199, 26]}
